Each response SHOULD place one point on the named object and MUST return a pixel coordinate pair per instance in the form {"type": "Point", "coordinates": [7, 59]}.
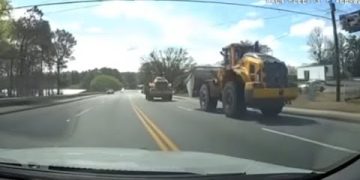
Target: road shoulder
{"type": "Point", "coordinates": [330, 115]}
{"type": "Point", "coordinates": [19, 108]}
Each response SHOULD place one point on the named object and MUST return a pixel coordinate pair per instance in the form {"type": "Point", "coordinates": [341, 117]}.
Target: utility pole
{"type": "Point", "coordinates": [337, 63]}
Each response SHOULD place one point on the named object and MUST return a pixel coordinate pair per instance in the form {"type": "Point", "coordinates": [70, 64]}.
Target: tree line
{"type": "Point", "coordinates": [172, 63]}
{"type": "Point", "coordinates": [322, 51]}
{"type": "Point", "coordinates": [32, 56]}
{"type": "Point", "coordinates": [76, 79]}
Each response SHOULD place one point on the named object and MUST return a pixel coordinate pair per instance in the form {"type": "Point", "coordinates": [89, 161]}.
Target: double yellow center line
{"type": "Point", "coordinates": [160, 138]}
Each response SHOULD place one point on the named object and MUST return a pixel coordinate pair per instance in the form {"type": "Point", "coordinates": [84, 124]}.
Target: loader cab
{"type": "Point", "coordinates": [234, 52]}
{"type": "Point", "coordinates": [231, 55]}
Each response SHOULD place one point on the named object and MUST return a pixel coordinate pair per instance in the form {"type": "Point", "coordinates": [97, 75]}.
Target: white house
{"type": "Point", "coordinates": [315, 72]}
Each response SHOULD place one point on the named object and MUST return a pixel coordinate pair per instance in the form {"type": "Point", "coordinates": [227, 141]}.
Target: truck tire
{"type": "Point", "coordinates": [272, 111]}
{"type": "Point", "coordinates": [167, 98]}
{"type": "Point", "coordinates": [207, 103]}
{"type": "Point", "coordinates": [233, 99]}
{"type": "Point", "coordinates": [149, 97]}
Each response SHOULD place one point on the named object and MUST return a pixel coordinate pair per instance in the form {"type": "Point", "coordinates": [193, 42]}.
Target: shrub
{"type": "Point", "coordinates": [104, 82]}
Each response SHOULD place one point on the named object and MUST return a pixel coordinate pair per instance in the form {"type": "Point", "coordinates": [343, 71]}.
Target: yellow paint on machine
{"type": "Point", "coordinates": [164, 142]}
{"type": "Point", "coordinates": [287, 93]}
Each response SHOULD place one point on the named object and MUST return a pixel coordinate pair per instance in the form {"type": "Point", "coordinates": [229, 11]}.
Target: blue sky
{"type": "Point", "coordinates": [118, 34]}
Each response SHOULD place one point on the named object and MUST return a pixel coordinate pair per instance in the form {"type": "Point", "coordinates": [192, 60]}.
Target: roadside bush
{"type": "Point", "coordinates": [104, 82]}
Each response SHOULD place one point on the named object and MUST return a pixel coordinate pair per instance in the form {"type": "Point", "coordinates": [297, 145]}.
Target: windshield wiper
{"type": "Point", "coordinates": [9, 162]}
{"type": "Point", "coordinates": [111, 171]}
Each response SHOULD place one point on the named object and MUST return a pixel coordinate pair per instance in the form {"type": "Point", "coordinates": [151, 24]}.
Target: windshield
{"type": "Point", "coordinates": [122, 78]}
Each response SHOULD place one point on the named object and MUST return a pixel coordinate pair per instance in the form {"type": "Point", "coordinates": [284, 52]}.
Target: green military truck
{"type": "Point", "coordinates": [160, 87]}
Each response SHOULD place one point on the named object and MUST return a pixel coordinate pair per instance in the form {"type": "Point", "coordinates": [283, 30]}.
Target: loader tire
{"type": "Point", "coordinates": [233, 99]}
{"type": "Point", "coordinates": [207, 103]}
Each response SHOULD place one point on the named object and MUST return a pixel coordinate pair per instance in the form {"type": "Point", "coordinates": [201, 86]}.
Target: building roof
{"type": "Point", "coordinates": [206, 67]}
{"type": "Point", "coordinates": [314, 65]}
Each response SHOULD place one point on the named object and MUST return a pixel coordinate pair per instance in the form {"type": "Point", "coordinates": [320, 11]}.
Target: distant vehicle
{"type": "Point", "coordinates": [160, 87]}
{"type": "Point", "coordinates": [319, 86]}
{"type": "Point", "coordinates": [110, 91]}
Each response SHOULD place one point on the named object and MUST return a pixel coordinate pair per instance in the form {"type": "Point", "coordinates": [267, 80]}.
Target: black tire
{"type": "Point", "coordinates": [166, 97]}
{"type": "Point", "coordinates": [233, 99]}
{"type": "Point", "coordinates": [149, 97]}
{"type": "Point", "coordinates": [207, 103]}
{"type": "Point", "coordinates": [272, 111]}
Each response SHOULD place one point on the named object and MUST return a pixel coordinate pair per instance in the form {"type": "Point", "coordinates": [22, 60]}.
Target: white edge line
{"type": "Point", "coordinates": [184, 108]}
{"type": "Point", "coordinates": [83, 112]}
{"type": "Point", "coordinates": [311, 141]}
{"type": "Point", "coordinates": [192, 100]}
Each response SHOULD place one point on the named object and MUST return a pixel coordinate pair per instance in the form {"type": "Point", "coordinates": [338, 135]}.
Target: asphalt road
{"type": "Point", "coordinates": [127, 120]}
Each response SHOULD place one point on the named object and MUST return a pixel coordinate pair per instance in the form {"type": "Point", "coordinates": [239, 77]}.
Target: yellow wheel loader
{"type": "Point", "coordinates": [248, 79]}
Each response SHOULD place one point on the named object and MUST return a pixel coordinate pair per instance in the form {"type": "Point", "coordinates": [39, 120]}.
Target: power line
{"type": "Point", "coordinates": [281, 36]}
{"type": "Point", "coordinates": [70, 9]}
{"type": "Point", "coordinates": [191, 1]}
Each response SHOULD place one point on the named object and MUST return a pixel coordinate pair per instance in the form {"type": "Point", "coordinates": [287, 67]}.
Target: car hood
{"type": "Point", "coordinates": [140, 160]}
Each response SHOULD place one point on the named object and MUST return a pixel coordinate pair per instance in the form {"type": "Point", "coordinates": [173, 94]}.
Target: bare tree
{"type": "Point", "coordinates": [317, 42]}
{"type": "Point", "coordinates": [173, 63]}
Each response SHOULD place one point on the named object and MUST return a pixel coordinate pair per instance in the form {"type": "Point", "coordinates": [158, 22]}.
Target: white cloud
{"type": "Point", "coordinates": [137, 9]}
{"type": "Point", "coordinates": [175, 28]}
{"type": "Point", "coordinates": [294, 62]}
{"type": "Point", "coordinates": [107, 51]}
{"type": "Point", "coordinates": [73, 26]}
{"type": "Point", "coordinates": [17, 13]}
{"type": "Point", "coordinates": [198, 36]}
{"type": "Point", "coordinates": [94, 30]}
{"type": "Point", "coordinates": [328, 31]}
{"type": "Point", "coordinates": [303, 29]}
{"type": "Point", "coordinates": [250, 24]}
{"type": "Point", "coordinates": [69, 26]}
{"type": "Point", "coordinates": [271, 41]}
